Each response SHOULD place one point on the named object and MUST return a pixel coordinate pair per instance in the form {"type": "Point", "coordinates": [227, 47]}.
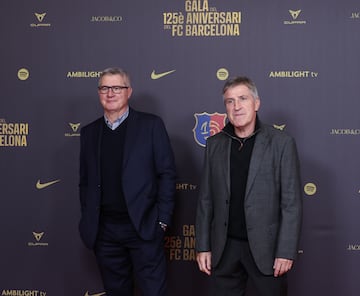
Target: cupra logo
{"type": "Point", "coordinates": [40, 185]}
{"type": "Point", "coordinates": [38, 235]}
{"type": "Point", "coordinates": [155, 76]}
{"type": "Point", "coordinates": [74, 126]}
{"type": "Point", "coordinates": [40, 16]}
{"type": "Point", "coordinates": [295, 13]}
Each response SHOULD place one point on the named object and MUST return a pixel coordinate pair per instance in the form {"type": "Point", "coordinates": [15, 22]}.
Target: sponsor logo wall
{"type": "Point", "coordinates": [304, 58]}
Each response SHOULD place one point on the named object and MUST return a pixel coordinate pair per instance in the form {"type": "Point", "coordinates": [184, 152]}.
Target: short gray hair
{"type": "Point", "coordinates": [241, 80]}
{"type": "Point", "coordinates": [116, 71]}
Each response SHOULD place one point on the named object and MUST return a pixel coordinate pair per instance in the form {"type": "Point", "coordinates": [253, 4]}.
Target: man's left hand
{"type": "Point", "coordinates": [282, 266]}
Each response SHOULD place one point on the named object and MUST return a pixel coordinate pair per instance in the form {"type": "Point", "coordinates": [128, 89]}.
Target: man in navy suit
{"type": "Point", "coordinates": [250, 203]}
{"type": "Point", "coordinates": [127, 187]}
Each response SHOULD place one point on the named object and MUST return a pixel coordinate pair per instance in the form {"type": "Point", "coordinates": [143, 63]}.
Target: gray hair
{"type": "Point", "coordinates": [241, 80]}
{"type": "Point", "coordinates": [115, 71]}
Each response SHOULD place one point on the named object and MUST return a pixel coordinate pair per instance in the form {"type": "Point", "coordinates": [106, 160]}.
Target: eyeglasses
{"type": "Point", "coordinates": [116, 89]}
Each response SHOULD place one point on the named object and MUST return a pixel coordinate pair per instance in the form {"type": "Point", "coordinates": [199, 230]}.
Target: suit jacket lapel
{"type": "Point", "coordinates": [223, 161]}
{"type": "Point", "coordinates": [98, 135]}
{"type": "Point", "coordinates": [261, 142]}
{"type": "Point", "coordinates": [226, 162]}
{"type": "Point", "coordinates": [130, 136]}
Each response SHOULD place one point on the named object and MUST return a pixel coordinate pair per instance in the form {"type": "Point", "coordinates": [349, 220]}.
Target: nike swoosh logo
{"type": "Point", "coordinates": [97, 294]}
{"type": "Point", "coordinates": [155, 76]}
{"type": "Point", "coordinates": [40, 185]}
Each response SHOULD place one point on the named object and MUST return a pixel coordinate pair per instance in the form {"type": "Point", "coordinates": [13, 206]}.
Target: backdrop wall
{"type": "Point", "coordinates": [304, 58]}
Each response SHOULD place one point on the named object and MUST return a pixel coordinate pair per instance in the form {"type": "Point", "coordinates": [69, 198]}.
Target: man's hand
{"type": "Point", "coordinates": [282, 266]}
{"type": "Point", "coordinates": [204, 262]}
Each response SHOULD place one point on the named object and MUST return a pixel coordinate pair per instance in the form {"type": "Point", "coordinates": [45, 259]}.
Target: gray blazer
{"type": "Point", "coordinates": [273, 199]}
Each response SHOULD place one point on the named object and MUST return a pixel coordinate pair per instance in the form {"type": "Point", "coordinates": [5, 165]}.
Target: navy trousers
{"type": "Point", "coordinates": [126, 261]}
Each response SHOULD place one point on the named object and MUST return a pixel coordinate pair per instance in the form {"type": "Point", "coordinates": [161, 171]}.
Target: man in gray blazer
{"type": "Point", "coordinates": [249, 210]}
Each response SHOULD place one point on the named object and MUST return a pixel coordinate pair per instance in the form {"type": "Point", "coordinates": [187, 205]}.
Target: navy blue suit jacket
{"type": "Point", "coordinates": [148, 175]}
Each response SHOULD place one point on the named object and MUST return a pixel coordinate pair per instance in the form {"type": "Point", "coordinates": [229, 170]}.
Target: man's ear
{"type": "Point", "coordinates": [257, 104]}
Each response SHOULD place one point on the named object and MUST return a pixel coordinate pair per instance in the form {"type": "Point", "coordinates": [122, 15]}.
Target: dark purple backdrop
{"type": "Point", "coordinates": [304, 57]}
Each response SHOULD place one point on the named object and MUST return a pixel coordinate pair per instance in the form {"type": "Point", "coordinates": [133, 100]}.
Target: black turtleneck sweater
{"type": "Point", "coordinates": [241, 150]}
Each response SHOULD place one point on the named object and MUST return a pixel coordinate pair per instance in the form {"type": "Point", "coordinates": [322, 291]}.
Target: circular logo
{"type": "Point", "coordinates": [222, 74]}
{"type": "Point", "coordinates": [23, 74]}
{"type": "Point", "coordinates": [310, 189]}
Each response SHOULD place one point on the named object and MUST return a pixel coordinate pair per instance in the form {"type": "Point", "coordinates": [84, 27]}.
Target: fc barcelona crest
{"type": "Point", "coordinates": [207, 125]}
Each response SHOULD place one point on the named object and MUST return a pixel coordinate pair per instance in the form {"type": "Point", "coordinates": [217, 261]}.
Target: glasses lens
{"type": "Point", "coordinates": [103, 89]}
{"type": "Point", "coordinates": [116, 89]}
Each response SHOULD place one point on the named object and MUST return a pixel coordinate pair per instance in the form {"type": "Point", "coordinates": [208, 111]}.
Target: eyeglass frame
{"type": "Point", "coordinates": [104, 89]}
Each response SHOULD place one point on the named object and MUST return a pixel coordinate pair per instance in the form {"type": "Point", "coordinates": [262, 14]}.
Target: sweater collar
{"type": "Point", "coordinates": [229, 130]}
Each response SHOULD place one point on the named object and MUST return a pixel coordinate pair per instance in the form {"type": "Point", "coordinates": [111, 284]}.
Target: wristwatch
{"type": "Point", "coordinates": [163, 226]}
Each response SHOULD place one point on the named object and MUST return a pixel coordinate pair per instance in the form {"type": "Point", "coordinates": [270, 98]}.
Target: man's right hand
{"type": "Point", "coordinates": [204, 262]}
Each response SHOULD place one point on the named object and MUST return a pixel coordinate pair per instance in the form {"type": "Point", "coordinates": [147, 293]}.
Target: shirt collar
{"type": "Point", "coordinates": [118, 121]}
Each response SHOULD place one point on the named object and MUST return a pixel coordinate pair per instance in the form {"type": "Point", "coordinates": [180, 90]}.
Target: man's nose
{"type": "Point", "coordinates": [237, 104]}
{"type": "Point", "coordinates": [110, 92]}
